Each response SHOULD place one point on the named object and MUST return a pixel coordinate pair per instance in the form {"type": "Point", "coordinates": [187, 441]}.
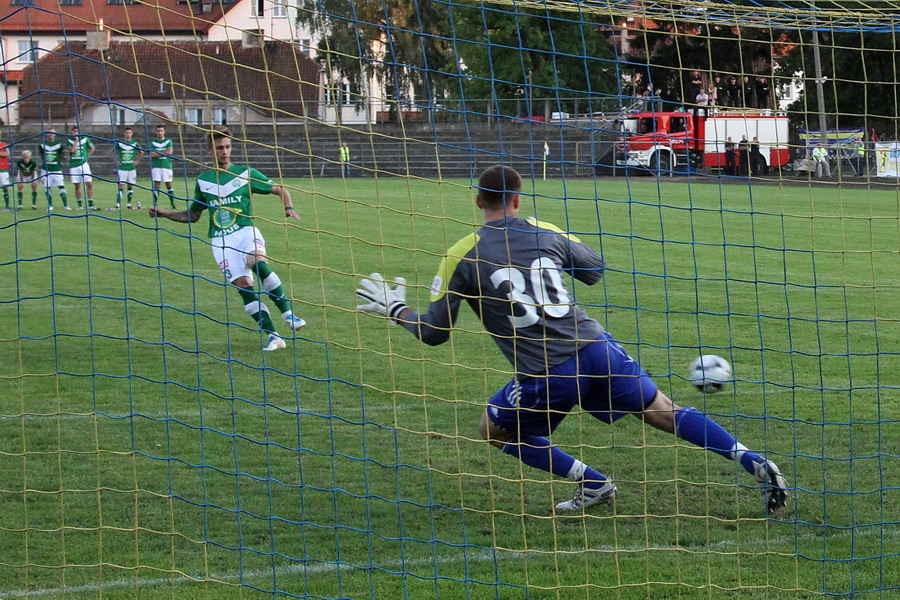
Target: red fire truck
{"type": "Point", "coordinates": [666, 141]}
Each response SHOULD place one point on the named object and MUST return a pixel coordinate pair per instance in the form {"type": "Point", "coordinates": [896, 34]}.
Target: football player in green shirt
{"type": "Point", "coordinates": [128, 154]}
{"type": "Point", "coordinates": [26, 172]}
{"type": "Point", "coordinates": [51, 151]}
{"type": "Point", "coordinates": [80, 149]}
{"type": "Point", "coordinates": [161, 164]}
{"type": "Point", "coordinates": [238, 246]}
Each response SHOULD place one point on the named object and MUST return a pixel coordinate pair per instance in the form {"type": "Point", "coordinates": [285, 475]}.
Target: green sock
{"type": "Point", "coordinates": [119, 197]}
{"type": "Point", "coordinates": [256, 309]}
{"type": "Point", "coordinates": [171, 196]}
{"type": "Point", "coordinates": [271, 283]}
{"type": "Point", "coordinates": [130, 194]}
{"type": "Point", "coordinates": [90, 201]}
{"type": "Point", "coordinates": [19, 196]}
{"type": "Point", "coordinates": [6, 198]}
{"type": "Point", "coordinates": [34, 198]}
{"type": "Point", "coordinates": [63, 197]}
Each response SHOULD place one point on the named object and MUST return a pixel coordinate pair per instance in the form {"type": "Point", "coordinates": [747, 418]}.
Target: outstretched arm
{"type": "Point", "coordinates": [179, 216]}
{"type": "Point", "coordinates": [283, 193]}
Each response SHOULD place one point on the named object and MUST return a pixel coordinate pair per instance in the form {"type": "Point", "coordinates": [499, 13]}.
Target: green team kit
{"type": "Point", "coordinates": [79, 151]}
{"type": "Point", "coordinates": [164, 161]}
{"type": "Point", "coordinates": [126, 154]}
{"type": "Point", "coordinates": [226, 194]}
{"type": "Point", "coordinates": [51, 156]}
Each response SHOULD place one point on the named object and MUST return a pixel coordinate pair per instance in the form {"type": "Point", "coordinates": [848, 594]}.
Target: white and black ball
{"type": "Point", "coordinates": [710, 373]}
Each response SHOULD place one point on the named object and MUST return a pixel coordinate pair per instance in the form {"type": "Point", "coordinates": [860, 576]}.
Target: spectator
{"type": "Point", "coordinates": [730, 162]}
{"type": "Point", "coordinates": [749, 90]}
{"type": "Point", "coordinates": [734, 92]}
{"type": "Point", "coordinates": [762, 93]}
{"type": "Point", "coordinates": [744, 149]}
{"type": "Point", "coordinates": [820, 160]}
{"type": "Point", "coordinates": [719, 92]}
{"type": "Point", "coordinates": [694, 84]}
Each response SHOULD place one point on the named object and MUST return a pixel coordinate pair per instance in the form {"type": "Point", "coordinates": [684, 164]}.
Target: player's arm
{"type": "Point", "coordinates": [90, 148]}
{"type": "Point", "coordinates": [285, 196]}
{"type": "Point", "coordinates": [4, 152]}
{"type": "Point", "coordinates": [586, 263]}
{"type": "Point", "coordinates": [432, 327]}
{"type": "Point", "coordinates": [138, 156]}
{"type": "Point", "coordinates": [179, 216]}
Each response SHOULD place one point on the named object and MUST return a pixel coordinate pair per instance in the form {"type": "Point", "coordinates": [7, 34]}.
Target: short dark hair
{"type": "Point", "coordinates": [128, 129]}
{"type": "Point", "coordinates": [218, 132]}
{"type": "Point", "coordinates": [497, 181]}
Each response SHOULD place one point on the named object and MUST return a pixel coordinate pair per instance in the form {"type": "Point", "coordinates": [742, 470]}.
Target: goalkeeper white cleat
{"type": "Point", "coordinates": [274, 343]}
{"type": "Point", "coordinates": [774, 485]}
{"type": "Point", "coordinates": [586, 497]}
{"type": "Point", "coordinates": [293, 321]}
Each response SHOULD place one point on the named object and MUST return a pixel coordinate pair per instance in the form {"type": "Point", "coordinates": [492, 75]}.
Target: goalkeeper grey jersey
{"type": "Point", "coordinates": [513, 273]}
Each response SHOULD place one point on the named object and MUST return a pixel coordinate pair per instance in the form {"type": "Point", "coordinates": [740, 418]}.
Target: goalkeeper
{"type": "Point", "coordinates": [512, 273]}
{"type": "Point", "coordinates": [238, 246]}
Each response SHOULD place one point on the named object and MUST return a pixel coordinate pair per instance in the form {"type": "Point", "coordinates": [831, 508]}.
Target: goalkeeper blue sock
{"type": "Point", "coordinates": [693, 426]}
{"type": "Point", "coordinates": [539, 453]}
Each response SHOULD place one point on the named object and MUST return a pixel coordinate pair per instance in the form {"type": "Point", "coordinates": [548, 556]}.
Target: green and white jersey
{"type": "Point", "coordinates": [26, 169]}
{"type": "Point", "coordinates": [226, 194]}
{"type": "Point", "coordinates": [79, 150]}
{"type": "Point", "coordinates": [51, 156]}
{"type": "Point", "coordinates": [126, 154]}
{"type": "Point", "coordinates": [161, 146]}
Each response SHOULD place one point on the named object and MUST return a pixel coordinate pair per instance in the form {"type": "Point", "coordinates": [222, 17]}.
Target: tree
{"type": "Point", "coordinates": [513, 53]}
{"type": "Point", "coordinates": [397, 40]}
{"type": "Point", "coordinates": [861, 80]}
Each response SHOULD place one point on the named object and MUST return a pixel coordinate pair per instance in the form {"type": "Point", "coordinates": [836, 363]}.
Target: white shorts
{"type": "Point", "coordinates": [53, 178]}
{"type": "Point", "coordinates": [161, 175]}
{"type": "Point", "coordinates": [129, 177]}
{"type": "Point", "coordinates": [231, 251]}
{"type": "Point", "coordinates": [81, 174]}
{"type": "Point", "coordinates": [27, 178]}
{"type": "Point", "coordinates": [4, 177]}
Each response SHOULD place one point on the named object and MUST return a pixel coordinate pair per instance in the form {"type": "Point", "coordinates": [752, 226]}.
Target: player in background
{"type": "Point", "coordinates": [161, 164]}
{"type": "Point", "coordinates": [26, 172]}
{"type": "Point", "coordinates": [80, 149]}
{"type": "Point", "coordinates": [127, 153]}
{"type": "Point", "coordinates": [513, 274]}
{"type": "Point", "coordinates": [51, 150]}
{"type": "Point", "coordinates": [4, 174]}
{"type": "Point", "coordinates": [238, 247]}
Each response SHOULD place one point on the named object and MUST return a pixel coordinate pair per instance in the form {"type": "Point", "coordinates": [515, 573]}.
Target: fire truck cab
{"type": "Point", "coordinates": [667, 141]}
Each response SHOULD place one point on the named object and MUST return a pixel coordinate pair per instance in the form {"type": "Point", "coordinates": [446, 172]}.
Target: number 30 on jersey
{"type": "Point", "coordinates": [546, 283]}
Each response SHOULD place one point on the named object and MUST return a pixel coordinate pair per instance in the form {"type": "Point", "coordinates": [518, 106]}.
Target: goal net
{"type": "Point", "coordinates": [735, 164]}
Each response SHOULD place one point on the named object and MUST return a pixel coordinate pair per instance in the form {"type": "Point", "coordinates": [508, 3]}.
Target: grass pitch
{"type": "Point", "coordinates": [149, 449]}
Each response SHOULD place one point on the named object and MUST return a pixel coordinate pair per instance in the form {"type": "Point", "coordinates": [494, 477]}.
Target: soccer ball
{"type": "Point", "coordinates": [710, 373]}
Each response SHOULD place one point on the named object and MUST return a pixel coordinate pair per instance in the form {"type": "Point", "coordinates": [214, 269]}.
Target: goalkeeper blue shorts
{"type": "Point", "coordinates": [601, 378]}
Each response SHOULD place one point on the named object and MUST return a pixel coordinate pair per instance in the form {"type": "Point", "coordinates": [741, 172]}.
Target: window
{"type": "Point", "coordinates": [279, 8]}
{"type": "Point", "coordinates": [118, 1]}
{"type": "Point", "coordinates": [341, 92]}
{"type": "Point", "coordinates": [270, 8]}
{"type": "Point", "coordinates": [195, 116]}
{"type": "Point", "coordinates": [22, 2]}
{"type": "Point", "coordinates": [27, 51]}
{"type": "Point", "coordinates": [220, 116]}
{"type": "Point", "coordinates": [119, 116]}
{"type": "Point", "coordinates": [70, 2]}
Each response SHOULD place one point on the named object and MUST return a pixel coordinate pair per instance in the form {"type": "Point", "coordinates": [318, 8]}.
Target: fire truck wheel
{"type": "Point", "coordinates": [661, 163]}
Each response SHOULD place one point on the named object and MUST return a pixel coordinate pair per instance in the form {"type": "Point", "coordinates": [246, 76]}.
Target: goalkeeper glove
{"type": "Point", "coordinates": [381, 298]}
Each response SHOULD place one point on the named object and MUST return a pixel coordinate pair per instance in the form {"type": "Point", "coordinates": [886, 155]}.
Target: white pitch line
{"type": "Point", "coordinates": [480, 556]}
